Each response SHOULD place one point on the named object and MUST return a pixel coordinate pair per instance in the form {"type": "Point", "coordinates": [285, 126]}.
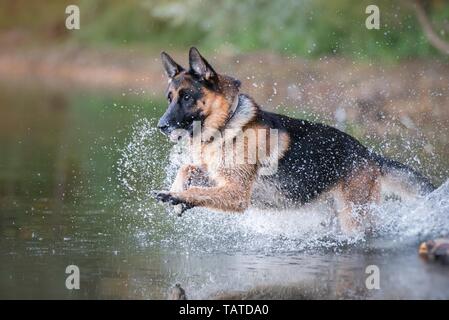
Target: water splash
{"type": "Point", "coordinates": [427, 217]}
{"type": "Point", "coordinates": [147, 165]}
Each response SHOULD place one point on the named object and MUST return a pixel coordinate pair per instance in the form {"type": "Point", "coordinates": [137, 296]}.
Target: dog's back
{"type": "Point", "coordinates": [321, 158]}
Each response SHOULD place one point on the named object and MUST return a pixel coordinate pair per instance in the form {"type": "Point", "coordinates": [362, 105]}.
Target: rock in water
{"type": "Point", "coordinates": [435, 250]}
{"type": "Point", "coordinates": [177, 293]}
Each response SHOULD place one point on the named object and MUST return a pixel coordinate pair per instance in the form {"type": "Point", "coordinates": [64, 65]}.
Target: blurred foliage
{"type": "Point", "coordinates": [308, 28]}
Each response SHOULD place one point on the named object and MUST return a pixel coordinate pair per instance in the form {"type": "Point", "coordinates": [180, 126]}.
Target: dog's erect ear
{"type": "Point", "coordinates": [170, 66]}
{"type": "Point", "coordinates": [200, 66]}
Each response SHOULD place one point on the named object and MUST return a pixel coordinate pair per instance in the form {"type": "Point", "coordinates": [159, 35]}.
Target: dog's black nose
{"type": "Point", "coordinates": [163, 126]}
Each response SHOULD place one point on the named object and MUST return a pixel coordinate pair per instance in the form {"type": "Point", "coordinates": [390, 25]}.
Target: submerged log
{"type": "Point", "coordinates": [435, 250]}
{"type": "Point", "coordinates": [177, 293]}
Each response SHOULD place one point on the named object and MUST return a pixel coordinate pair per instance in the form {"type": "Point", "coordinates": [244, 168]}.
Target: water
{"type": "Point", "coordinates": [76, 171]}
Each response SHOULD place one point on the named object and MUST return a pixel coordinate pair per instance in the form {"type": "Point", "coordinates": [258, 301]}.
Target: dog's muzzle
{"type": "Point", "coordinates": [175, 134]}
{"type": "Point", "coordinates": [164, 127]}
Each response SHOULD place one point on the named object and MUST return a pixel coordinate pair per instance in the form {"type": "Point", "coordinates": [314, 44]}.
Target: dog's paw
{"type": "Point", "coordinates": [183, 207]}
{"type": "Point", "coordinates": [166, 196]}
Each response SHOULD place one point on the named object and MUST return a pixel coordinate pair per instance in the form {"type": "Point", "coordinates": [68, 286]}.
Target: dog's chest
{"type": "Point", "coordinates": [212, 156]}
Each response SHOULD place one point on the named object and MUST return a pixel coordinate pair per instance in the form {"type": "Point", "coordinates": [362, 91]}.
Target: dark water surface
{"type": "Point", "coordinates": [75, 172]}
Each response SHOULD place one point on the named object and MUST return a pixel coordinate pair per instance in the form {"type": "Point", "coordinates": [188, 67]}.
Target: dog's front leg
{"type": "Point", "coordinates": [232, 191]}
{"type": "Point", "coordinates": [188, 175]}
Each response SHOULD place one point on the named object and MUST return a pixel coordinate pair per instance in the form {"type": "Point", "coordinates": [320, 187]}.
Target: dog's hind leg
{"type": "Point", "coordinates": [354, 195]}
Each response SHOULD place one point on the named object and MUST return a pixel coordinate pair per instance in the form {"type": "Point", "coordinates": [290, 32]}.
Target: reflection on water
{"type": "Point", "coordinates": [75, 174]}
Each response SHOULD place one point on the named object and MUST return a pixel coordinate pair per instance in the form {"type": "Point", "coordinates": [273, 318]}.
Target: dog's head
{"type": "Point", "coordinates": [196, 94]}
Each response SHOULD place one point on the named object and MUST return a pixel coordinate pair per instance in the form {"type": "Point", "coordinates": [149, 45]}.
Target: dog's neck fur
{"type": "Point", "coordinates": [242, 111]}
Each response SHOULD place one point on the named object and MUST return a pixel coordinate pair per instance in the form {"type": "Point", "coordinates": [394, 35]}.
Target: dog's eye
{"type": "Point", "coordinates": [186, 97]}
{"type": "Point", "coordinates": [169, 98]}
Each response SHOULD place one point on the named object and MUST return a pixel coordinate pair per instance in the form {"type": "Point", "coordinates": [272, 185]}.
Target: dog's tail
{"type": "Point", "coordinates": [400, 174]}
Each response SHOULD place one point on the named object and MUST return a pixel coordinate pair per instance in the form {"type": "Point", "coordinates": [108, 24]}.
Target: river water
{"type": "Point", "coordinates": [76, 171]}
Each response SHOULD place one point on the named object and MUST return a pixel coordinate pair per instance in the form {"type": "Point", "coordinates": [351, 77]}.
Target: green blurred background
{"type": "Point", "coordinates": [302, 27]}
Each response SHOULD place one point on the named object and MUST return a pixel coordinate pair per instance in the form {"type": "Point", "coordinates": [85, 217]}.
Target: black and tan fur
{"type": "Point", "coordinates": [314, 160]}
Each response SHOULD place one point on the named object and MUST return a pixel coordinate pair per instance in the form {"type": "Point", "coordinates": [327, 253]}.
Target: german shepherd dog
{"type": "Point", "coordinates": [313, 160]}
